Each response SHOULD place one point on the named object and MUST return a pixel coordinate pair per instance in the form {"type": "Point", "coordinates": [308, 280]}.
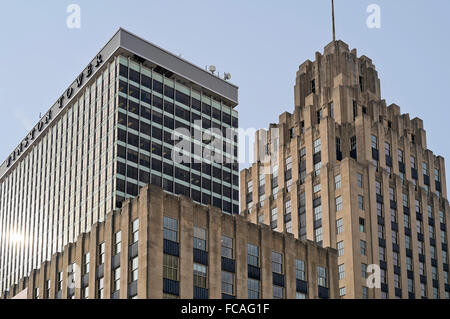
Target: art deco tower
{"type": "Point", "coordinates": [350, 172]}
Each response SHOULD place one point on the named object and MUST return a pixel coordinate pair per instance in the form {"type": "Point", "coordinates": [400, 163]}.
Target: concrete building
{"type": "Point", "coordinates": [109, 134]}
{"type": "Point", "coordinates": [163, 246]}
{"type": "Point", "coordinates": [349, 172]}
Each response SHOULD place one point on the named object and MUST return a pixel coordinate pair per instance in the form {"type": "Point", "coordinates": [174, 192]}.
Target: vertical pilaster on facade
{"type": "Point", "coordinates": [157, 209]}
{"type": "Point", "coordinates": [142, 210]}
{"type": "Point", "coordinates": [125, 222]}
{"type": "Point", "coordinates": [214, 230]}
{"type": "Point", "coordinates": [185, 215]}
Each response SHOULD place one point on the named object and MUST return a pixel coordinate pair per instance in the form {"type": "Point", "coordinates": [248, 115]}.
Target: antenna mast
{"type": "Point", "coordinates": [334, 27]}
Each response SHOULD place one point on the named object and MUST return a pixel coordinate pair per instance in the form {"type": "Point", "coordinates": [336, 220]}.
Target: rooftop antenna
{"type": "Point", "coordinates": [332, 15]}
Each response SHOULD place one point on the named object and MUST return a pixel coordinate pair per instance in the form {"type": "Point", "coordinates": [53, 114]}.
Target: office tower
{"type": "Point", "coordinates": [349, 172]}
{"type": "Point", "coordinates": [162, 246]}
{"type": "Point", "coordinates": [108, 135]}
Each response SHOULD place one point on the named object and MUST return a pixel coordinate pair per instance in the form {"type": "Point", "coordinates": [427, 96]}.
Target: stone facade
{"type": "Point", "coordinates": [343, 156]}
{"type": "Point", "coordinates": [153, 241]}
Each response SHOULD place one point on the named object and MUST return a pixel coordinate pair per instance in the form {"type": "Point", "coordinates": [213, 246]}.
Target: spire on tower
{"type": "Point", "coordinates": [332, 15]}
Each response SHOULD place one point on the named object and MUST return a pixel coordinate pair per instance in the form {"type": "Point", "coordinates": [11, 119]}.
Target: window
{"type": "Point", "coordinates": [381, 231]}
{"type": "Point", "coordinates": [341, 271]}
{"type": "Point", "coordinates": [339, 204]}
{"type": "Point", "coordinates": [274, 218]}
{"type": "Point", "coordinates": [200, 275]}
{"type": "Point", "coordinates": [300, 270]}
{"type": "Point", "coordinates": [227, 247]}
{"type": "Point", "coordinates": [361, 202]}
{"type": "Point", "coordinates": [411, 285]}
{"type": "Point", "coordinates": [391, 194]}
{"type": "Point", "coordinates": [253, 255]}
{"type": "Point", "coordinates": [382, 253]}
{"type": "Point", "coordinates": [331, 105]}
{"type": "Point", "coordinates": [340, 248]}
{"type": "Point", "coordinates": [117, 242]}
{"type": "Point", "coordinates": [379, 209]}
{"type": "Point", "coordinates": [322, 276]}
{"type": "Point", "coordinates": [364, 270]}
{"type": "Point", "coordinates": [363, 247]}
{"type": "Point", "coordinates": [100, 287]}
{"type": "Point", "coordinates": [387, 149]}
{"type": "Point", "coordinates": [423, 290]}
{"type": "Point", "coordinates": [436, 175]}
{"type": "Point", "coordinates": [374, 142]}
{"type": "Point", "coordinates": [318, 235]}
{"type": "Point", "coordinates": [425, 168]}
{"type": "Point", "coordinates": [362, 226]}
{"type": "Point", "coordinates": [359, 180]}
{"type": "Point", "coordinates": [170, 267]}
{"type": "Point", "coordinates": [340, 226]}
{"type": "Point", "coordinates": [135, 231]}
{"type": "Point", "coordinates": [342, 292]}
{"type": "Point", "coordinates": [383, 276]}
{"type": "Point", "coordinates": [86, 263]}
{"type": "Point", "coordinates": [365, 293]}
{"type": "Point", "coordinates": [317, 168]}
{"type": "Point", "coordinates": [227, 283]}
{"type": "Point", "coordinates": [337, 181]}
{"type": "Point", "coordinates": [300, 295]}
{"type": "Point", "coordinates": [199, 238]}
{"type": "Point", "coordinates": [421, 268]}
{"type": "Point", "coordinates": [101, 253]}
{"type": "Point", "coordinates": [317, 146]}
{"type": "Point", "coordinates": [407, 221]}
{"type": "Point", "coordinates": [353, 143]}
{"type": "Point", "coordinates": [116, 280]}
{"type": "Point", "coordinates": [409, 263]}
{"type": "Point", "coordinates": [47, 288]}
{"type": "Point", "coordinates": [253, 289]}
{"type": "Point", "coordinates": [277, 263]}
{"type": "Point", "coordinates": [378, 187]}
{"type": "Point", "coordinates": [278, 292]}
{"type": "Point", "coordinates": [395, 259]}
{"type": "Point", "coordinates": [413, 162]}
{"type": "Point", "coordinates": [405, 200]}
{"type": "Point", "coordinates": [400, 156]}
{"type": "Point", "coordinates": [397, 281]}
{"type": "Point", "coordinates": [134, 264]}
{"type": "Point", "coordinates": [170, 229]}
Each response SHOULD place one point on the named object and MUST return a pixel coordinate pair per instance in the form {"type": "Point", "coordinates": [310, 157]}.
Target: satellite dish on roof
{"type": "Point", "coordinates": [227, 76]}
{"type": "Point", "coordinates": [212, 69]}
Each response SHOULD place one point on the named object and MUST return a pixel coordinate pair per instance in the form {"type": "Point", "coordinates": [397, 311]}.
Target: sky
{"type": "Point", "coordinates": [261, 43]}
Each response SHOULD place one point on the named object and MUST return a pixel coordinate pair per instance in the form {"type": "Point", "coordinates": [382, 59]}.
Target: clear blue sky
{"type": "Point", "coordinates": [260, 42]}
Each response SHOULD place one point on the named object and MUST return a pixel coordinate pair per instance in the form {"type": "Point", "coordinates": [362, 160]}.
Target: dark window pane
{"type": "Point", "coordinates": [133, 139]}
{"type": "Point", "coordinates": [122, 119]}
{"type": "Point", "coordinates": [168, 122]}
{"type": "Point", "coordinates": [156, 133]}
{"type": "Point", "coordinates": [121, 151]}
{"type": "Point", "coordinates": [121, 169]}
{"type": "Point", "coordinates": [132, 172]}
{"type": "Point", "coordinates": [168, 185]}
{"type": "Point", "coordinates": [133, 157]}
{"type": "Point", "coordinates": [156, 165]}
{"type": "Point", "coordinates": [146, 81]}
{"type": "Point", "coordinates": [144, 177]}
{"type": "Point", "coordinates": [122, 103]}
{"type": "Point", "coordinates": [121, 135]}
{"type": "Point", "coordinates": [157, 102]}
{"type": "Point", "coordinates": [146, 113]}
{"type": "Point", "coordinates": [134, 92]}
{"type": "Point", "coordinates": [123, 87]}
{"type": "Point", "coordinates": [168, 91]}
{"type": "Point", "coordinates": [133, 123]}
{"type": "Point", "coordinates": [196, 105]}
{"type": "Point", "coordinates": [144, 160]}
{"type": "Point", "coordinates": [146, 97]}
{"type": "Point", "coordinates": [182, 98]}
{"type": "Point", "coordinates": [133, 107]}
{"type": "Point", "coordinates": [156, 149]}
{"type": "Point", "coordinates": [144, 144]}
{"type": "Point", "coordinates": [146, 128]}
{"type": "Point", "coordinates": [123, 70]}
{"type": "Point", "coordinates": [157, 86]}
{"type": "Point", "coordinates": [157, 117]}
{"type": "Point", "coordinates": [134, 76]}
{"type": "Point", "coordinates": [168, 107]}
{"type": "Point", "coordinates": [120, 185]}
{"type": "Point", "coordinates": [206, 109]}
